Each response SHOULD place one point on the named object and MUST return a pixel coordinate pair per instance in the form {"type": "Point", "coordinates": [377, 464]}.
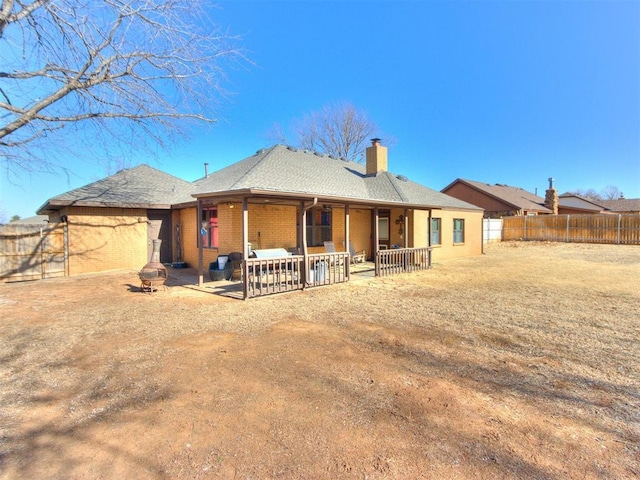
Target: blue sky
{"type": "Point", "coordinates": [501, 92]}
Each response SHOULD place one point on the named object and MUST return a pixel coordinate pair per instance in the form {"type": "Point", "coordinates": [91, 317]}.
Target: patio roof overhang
{"type": "Point", "coordinates": [294, 198]}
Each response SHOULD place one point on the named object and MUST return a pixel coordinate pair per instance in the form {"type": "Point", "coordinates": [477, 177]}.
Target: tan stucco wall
{"type": "Point", "coordinates": [102, 239]}
{"type": "Point", "coordinates": [447, 249]}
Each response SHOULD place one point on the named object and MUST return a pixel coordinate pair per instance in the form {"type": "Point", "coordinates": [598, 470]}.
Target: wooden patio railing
{"type": "Point", "coordinates": [327, 268]}
{"type": "Point", "coordinates": [401, 260]}
{"type": "Point", "coordinates": [266, 276]}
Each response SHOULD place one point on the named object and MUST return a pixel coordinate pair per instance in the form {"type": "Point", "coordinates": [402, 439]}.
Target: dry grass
{"type": "Point", "coordinates": [522, 363]}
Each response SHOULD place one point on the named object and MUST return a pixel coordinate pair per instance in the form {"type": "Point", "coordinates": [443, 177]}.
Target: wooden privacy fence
{"type": "Point", "coordinates": [622, 229]}
{"type": "Point", "coordinates": [30, 252]}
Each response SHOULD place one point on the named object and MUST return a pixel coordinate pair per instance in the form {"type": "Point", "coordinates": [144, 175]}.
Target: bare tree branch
{"type": "Point", "coordinates": [339, 130]}
{"type": "Point", "coordinates": [611, 192]}
{"type": "Point", "coordinates": [112, 66]}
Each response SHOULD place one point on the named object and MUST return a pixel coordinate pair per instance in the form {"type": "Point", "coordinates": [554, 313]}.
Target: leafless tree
{"type": "Point", "coordinates": [339, 129]}
{"type": "Point", "coordinates": [114, 72]}
{"type": "Point", "coordinates": [589, 193]}
{"type": "Point", "coordinates": [611, 192]}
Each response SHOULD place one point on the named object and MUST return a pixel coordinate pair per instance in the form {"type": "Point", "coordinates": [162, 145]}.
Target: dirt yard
{"type": "Point", "coordinates": [522, 363]}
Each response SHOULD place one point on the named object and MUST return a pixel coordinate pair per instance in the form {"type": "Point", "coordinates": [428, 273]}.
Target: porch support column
{"type": "Point", "coordinates": [429, 244]}
{"type": "Point", "coordinates": [405, 227]}
{"type": "Point", "coordinates": [302, 234]}
{"type": "Point", "coordinates": [245, 247]}
{"type": "Point", "coordinates": [429, 219]}
{"type": "Point", "coordinates": [376, 239]}
{"type": "Point", "coordinates": [200, 249]}
{"type": "Point", "coordinates": [346, 237]}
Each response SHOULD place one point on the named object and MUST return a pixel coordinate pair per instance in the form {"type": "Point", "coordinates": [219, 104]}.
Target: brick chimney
{"type": "Point", "coordinates": [551, 198]}
{"type": "Point", "coordinates": [376, 158]}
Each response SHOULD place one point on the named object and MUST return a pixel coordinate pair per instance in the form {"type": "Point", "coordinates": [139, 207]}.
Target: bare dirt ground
{"type": "Point", "coordinates": [522, 363]}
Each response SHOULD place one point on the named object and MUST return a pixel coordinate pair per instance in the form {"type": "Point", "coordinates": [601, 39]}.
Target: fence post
{"type": "Point", "coordinates": [43, 265]}
{"type": "Point", "coordinates": [619, 226]}
{"type": "Point", "coordinates": [568, 235]}
{"type": "Point", "coordinates": [525, 228]}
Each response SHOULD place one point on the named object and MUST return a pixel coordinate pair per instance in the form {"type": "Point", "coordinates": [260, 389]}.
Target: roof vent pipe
{"type": "Point", "coordinates": [206, 169]}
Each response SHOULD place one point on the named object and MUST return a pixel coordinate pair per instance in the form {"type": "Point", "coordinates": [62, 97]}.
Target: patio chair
{"type": "Point", "coordinates": [356, 257]}
{"type": "Point", "coordinates": [235, 259]}
{"type": "Point", "coordinates": [329, 247]}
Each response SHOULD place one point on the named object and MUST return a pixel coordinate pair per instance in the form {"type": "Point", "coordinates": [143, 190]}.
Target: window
{"type": "Point", "coordinates": [318, 227]}
{"type": "Point", "coordinates": [458, 230]}
{"type": "Point", "coordinates": [436, 239]}
{"type": "Point", "coordinates": [383, 228]}
{"type": "Point", "coordinates": [209, 227]}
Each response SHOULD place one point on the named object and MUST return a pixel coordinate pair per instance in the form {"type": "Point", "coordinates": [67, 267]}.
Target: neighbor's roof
{"type": "Point", "coordinates": [138, 187]}
{"type": "Point", "coordinates": [621, 205]}
{"type": "Point", "coordinates": [517, 197]}
{"type": "Point", "coordinates": [35, 220]}
{"type": "Point", "coordinates": [288, 171]}
{"type": "Point", "coordinates": [571, 200]}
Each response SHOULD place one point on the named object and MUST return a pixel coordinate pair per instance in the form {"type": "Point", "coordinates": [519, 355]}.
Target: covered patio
{"type": "Point", "coordinates": [295, 265]}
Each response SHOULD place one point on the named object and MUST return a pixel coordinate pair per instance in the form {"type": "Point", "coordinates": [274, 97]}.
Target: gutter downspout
{"type": "Point", "coordinates": [305, 250]}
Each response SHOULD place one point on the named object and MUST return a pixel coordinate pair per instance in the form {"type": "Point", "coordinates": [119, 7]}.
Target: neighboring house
{"type": "Point", "coordinates": [622, 205]}
{"type": "Point", "coordinates": [276, 198]}
{"type": "Point", "coordinates": [576, 204]}
{"type": "Point", "coordinates": [497, 200]}
{"type": "Point", "coordinates": [570, 203]}
{"type": "Point", "coordinates": [35, 220]}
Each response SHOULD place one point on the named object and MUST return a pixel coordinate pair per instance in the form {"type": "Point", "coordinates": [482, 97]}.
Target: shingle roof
{"type": "Point", "coordinates": [282, 169]}
{"type": "Point", "coordinates": [35, 220]}
{"type": "Point", "coordinates": [139, 187]}
{"type": "Point", "coordinates": [517, 197]}
{"type": "Point", "coordinates": [622, 204]}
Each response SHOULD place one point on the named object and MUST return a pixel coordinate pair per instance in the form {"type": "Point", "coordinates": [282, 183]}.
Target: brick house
{"type": "Point", "coordinates": [571, 203]}
{"type": "Point", "coordinates": [497, 200]}
{"type": "Point", "coordinates": [622, 205]}
{"type": "Point", "coordinates": [280, 197]}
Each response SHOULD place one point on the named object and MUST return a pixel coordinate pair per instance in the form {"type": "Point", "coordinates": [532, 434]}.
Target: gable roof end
{"type": "Point", "coordinates": [515, 197]}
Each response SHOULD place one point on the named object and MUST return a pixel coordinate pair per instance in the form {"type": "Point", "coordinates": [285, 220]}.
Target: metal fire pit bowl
{"type": "Point", "coordinates": [152, 277]}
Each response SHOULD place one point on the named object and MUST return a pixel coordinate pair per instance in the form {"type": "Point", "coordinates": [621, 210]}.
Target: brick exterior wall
{"type": "Point", "coordinates": [360, 230]}
{"type": "Point", "coordinates": [270, 226]}
{"type": "Point", "coordinates": [277, 225]}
